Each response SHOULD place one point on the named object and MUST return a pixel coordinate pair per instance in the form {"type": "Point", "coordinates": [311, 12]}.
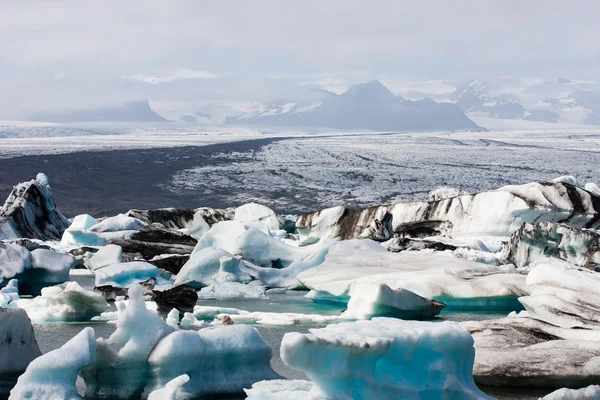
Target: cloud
{"type": "Point", "coordinates": [100, 42]}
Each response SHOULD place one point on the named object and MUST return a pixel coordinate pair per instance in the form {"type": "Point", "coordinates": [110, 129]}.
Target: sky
{"type": "Point", "coordinates": [65, 53]}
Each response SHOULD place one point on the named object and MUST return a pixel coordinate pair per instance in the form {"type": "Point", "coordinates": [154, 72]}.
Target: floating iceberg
{"type": "Point", "coordinates": [532, 241]}
{"type": "Point", "coordinates": [105, 256]}
{"type": "Point", "coordinates": [368, 300]}
{"type": "Point", "coordinates": [117, 223]}
{"type": "Point", "coordinates": [457, 282]}
{"type": "Point", "coordinates": [121, 370]}
{"type": "Point", "coordinates": [78, 233]}
{"type": "Point", "coordinates": [233, 290]}
{"type": "Point", "coordinates": [495, 213]}
{"type": "Point", "coordinates": [591, 392]}
{"type": "Point", "coordinates": [563, 294]}
{"type": "Point", "coordinates": [18, 347]}
{"type": "Point", "coordinates": [278, 389]}
{"type": "Point", "coordinates": [218, 360]}
{"type": "Point", "coordinates": [65, 303]}
{"type": "Point", "coordinates": [204, 266]}
{"type": "Point", "coordinates": [9, 294]}
{"type": "Point", "coordinates": [30, 212]}
{"type": "Point", "coordinates": [53, 375]}
{"type": "Point", "coordinates": [170, 390]}
{"type": "Point", "coordinates": [126, 274]}
{"type": "Point", "coordinates": [254, 243]}
{"type": "Point", "coordinates": [522, 351]}
{"type": "Point", "coordinates": [35, 269]}
{"type": "Point", "coordinates": [252, 212]}
{"type": "Point", "coordinates": [385, 358]}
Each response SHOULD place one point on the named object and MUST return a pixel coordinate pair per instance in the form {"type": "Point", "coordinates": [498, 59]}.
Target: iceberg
{"type": "Point", "coordinates": [9, 294]}
{"type": "Point", "coordinates": [522, 351]}
{"type": "Point", "coordinates": [105, 256]}
{"type": "Point", "coordinates": [368, 300]}
{"type": "Point", "coordinates": [204, 265]}
{"type": "Point", "coordinates": [33, 270]}
{"type": "Point", "coordinates": [591, 392]}
{"type": "Point", "coordinates": [117, 223]}
{"type": "Point", "coordinates": [278, 389]}
{"type": "Point", "coordinates": [53, 375]}
{"type": "Point", "coordinates": [170, 390]}
{"type": "Point", "coordinates": [460, 283]}
{"type": "Point", "coordinates": [233, 290]}
{"type": "Point", "coordinates": [563, 294]}
{"type": "Point", "coordinates": [124, 275]}
{"type": "Point", "coordinates": [30, 212]}
{"type": "Point", "coordinates": [218, 360]}
{"type": "Point", "coordinates": [532, 241]}
{"type": "Point", "coordinates": [385, 358]}
{"type": "Point", "coordinates": [496, 213]}
{"type": "Point", "coordinates": [122, 366]}
{"type": "Point", "coordinates": [18, 347]}
{"type": "Point", "coordinates": [154, 240]}
{"type": "Point", "coordinates": [78, 233]}
{"type": "Point", "coordinates": [253, 242]}
{"type": "Point", "coordinates": [252, 212]}
{"type": "Point", "coordinates": [65, 303]}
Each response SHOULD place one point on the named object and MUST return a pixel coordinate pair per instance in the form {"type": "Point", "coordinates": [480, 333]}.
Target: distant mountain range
{"type": "Point", "coordinates": [473, 98]}
{"type": "Point", "coordinates": [137, 111]}
{"type": "Point", "coordinates": [262, 101]}
{"type": "Point", "coordinates": [364, 106]}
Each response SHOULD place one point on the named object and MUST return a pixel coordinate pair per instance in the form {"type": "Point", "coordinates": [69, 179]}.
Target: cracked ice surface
{"type": "Point", "coordinates": [363, 169]}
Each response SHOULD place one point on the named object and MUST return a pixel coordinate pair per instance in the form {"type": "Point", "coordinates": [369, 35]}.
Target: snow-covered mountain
{"type": "Point", "coordinates": [364, 106]}
{"type": "Point", "coordinates": [138, 111]}
{"type": "Point", "coordinates": [474, 98]}
{"type": "Point", "coordinates": [581, 106]}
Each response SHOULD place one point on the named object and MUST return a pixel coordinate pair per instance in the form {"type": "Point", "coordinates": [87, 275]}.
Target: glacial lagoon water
{"type": "Point", "coordinates": [52, 336]}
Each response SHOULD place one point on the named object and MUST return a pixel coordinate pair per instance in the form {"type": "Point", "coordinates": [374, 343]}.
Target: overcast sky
{"type": "Point", "coordinates": [94, 42]}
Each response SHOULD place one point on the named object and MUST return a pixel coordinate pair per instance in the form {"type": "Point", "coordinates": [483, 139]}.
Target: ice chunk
{"type": "Point", "coordinates": [126, 274]}
{"type": "Point", "coordinates": [218, 360]}
{"type": "Point", "coordinates": [65, 303]}
{"type": "Point", "coordinates": [443, 192]}
{"type": "Point", "coordinates": [278, 389]}
{"type": "Point", "coordinates": [50, 266]}
{"type": "Point", "coordinates": [121, 370]}
{"type": "Point", "coordinates": [532, 241]}
{"type": "Point", "coordinates": [591, 392]}
{"type": "Point", "coordinates": [368, 300]}
{"type": "Point", "coordinates": [9, 293]}
{"type": "Point", "coordinates": [570, 179]}
{"type": "Point", "coordinates": [170, 390]}
{"type": "Point", "coordinates": [522, 351]}
{"type": "Point", "coordinates": [105, 256]}
{"type": "Point", "coordinates": [22, 348]}
{"type": "Point", "coordinates": [200, 270]}
{"type": "Point", "coordinates": [593, 188]}
{"type": "Point", "coordinates": [385, 358]}
{"type": "Point", "coordinates": [252, 212]}
{"type": "Point", "coordinates": [209, 313]}
{"type": "Point", "coordinates": [30, 212]}
{"type": "Point", "coordinates": [78, 233]}
{"type": "Point", "coordinates": [456, 282]}
{"type": "Point", "coordinates": [53, 375]}
{"type": "Point", "coordinates": [233, 290]}
{"type": "Point", "coordinates": [14, 259]}
{"type": "Point", "coordinates": [563, 294]}
{"type": "Point", "coordinates": [117, 223]}
{"type": "Point", "coordinates": [494, 213]}
{"type": "Point", "coordinates": [253, 243]}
